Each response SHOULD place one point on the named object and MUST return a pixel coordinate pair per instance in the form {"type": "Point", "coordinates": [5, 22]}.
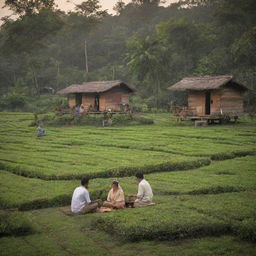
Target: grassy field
{"type": "Point", "coordinates": [204, 182]}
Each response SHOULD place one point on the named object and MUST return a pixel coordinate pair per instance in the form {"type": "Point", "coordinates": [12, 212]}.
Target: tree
{"type": "Point", "coordinates": [28, 7]}
{"type": "Point", "coordinates": [119, 7]}
{"type": "Point", "coordinates": [30, 32]}
{"type": "Point", "coordinates": [187, 42]}
{"type": "Point", "coordinates": [147, 2]}
{"type": "Point", "coordinates": [91, 8]}
{"type": "Point", "coordinates": [147, 58]}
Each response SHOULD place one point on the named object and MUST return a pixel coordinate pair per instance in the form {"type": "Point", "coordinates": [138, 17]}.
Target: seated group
{"type": "Point", "coordinates": [81, 202]}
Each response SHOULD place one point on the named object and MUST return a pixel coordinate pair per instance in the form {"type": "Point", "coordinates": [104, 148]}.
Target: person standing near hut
{"type": "Point", "coordinates": [77, 111]}
{"type": "Point", "coordinates": [81, 202]}
{"type": "Point", "coordinates": [81, 110]}
{"type": "Point", "coordinates": [145, 194]}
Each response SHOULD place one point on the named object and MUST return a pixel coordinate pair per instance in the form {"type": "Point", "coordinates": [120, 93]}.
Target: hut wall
{"type": "Point", "coordinates": [215, 101]}
{"type": "Point", "coordinates": [102, 102]}
{"type": "Point", "coordinates": [196, 101]}
{"type": "Point", "coordinates": [88, 100]}
{"type": "Point", "coordinates": [231, 101]}
{"type": "Point", "coordinates": [71, 100]}
{"type": "Point", "coordinates": [113, 99]}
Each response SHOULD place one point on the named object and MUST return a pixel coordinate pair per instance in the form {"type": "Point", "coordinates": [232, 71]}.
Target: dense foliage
{"type": "Point", "coordinates": [145, 44]}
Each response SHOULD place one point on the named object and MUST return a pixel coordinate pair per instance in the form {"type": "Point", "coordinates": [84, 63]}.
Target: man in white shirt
{"type": "Point", "coordinates": [81, 202]}
{"type": "Point", "coordinates": [145, 194]}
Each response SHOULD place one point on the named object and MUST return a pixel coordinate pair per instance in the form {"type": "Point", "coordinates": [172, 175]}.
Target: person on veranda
{"type": "Point", "coordinates": [145, 194]}
{"type": "Point", "coordinates": [81, 202]}
{"type": "Point", "coordinates": [115, 197]}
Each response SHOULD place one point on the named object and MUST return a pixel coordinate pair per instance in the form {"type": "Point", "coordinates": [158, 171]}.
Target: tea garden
{"type": "Point", "coordinates": [204, 183]}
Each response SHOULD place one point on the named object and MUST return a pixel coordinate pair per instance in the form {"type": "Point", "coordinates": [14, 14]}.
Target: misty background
{"type": "Point", "coordinates": [147, 43]}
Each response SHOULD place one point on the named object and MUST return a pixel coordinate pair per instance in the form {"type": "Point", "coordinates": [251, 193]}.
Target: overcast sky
{"type": "Point", "coordinates": [67, 5]}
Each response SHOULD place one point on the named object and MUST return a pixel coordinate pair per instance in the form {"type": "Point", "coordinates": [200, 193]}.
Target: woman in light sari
{"type": "Point", "coordinates": [115, 197]}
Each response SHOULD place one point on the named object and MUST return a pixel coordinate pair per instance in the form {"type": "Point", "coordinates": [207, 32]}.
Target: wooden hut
{"type": "Point", "coordinates": [213, 95]}
{"type": "Point", "coordinates": [98, 96]}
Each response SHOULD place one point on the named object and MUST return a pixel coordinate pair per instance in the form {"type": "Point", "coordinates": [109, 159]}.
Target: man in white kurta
{"type": "Point", "coordinates": [145, 194]}
{"type": "Point", "coordinates": [81, 202]}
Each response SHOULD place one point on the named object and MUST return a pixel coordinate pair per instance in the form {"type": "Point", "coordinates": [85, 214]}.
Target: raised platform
{"type": "Point", "coordinates": [212, 118]}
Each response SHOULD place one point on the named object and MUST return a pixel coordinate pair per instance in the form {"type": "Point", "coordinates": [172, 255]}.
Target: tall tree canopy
{"type": "Point", "coordinates": [28, 7]}
{"type": "Point", "coordinates": [145, 44]}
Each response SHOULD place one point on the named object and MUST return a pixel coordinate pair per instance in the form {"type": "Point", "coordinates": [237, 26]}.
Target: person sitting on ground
{"type": "Point", "coordinates": [145, 194]}
{"type": "Point", "coordinates": [40, 130]}
{"type": "Point", "coordinates": [115, 197]}
{"type": "Point", "coordinates": [81, 202]}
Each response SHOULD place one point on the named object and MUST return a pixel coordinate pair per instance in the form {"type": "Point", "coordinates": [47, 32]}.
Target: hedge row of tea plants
{"type": "Point", "coordinates": [29, 193]}
{"type": "Point", "coordinates": [48, 171]}
{"type": "Point", "coordinates": [95, 120]}
{"type": "Point", "coordinates": [185, 216]}
{"type": "Point", "coordinates": [221, 177]}
{"type": "Point", "coordinates": [15, 223]}
{"type": "Point", "coordinates": [164, 221]}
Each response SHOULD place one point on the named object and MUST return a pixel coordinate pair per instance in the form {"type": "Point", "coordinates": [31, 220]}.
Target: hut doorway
{"type": "Point", "coordinates": [207, 102]}
{"type": "Point", "coordinates": [97, 102]}
{"type": "Point", "coordinates": [78, 99]}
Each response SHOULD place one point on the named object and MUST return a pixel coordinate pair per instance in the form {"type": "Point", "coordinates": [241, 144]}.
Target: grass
{"type": "Point", "coordinates": [184, 216]}
{"type": "Point", "coordinates": [15, 223]}
{"type": "Point", "coordinates": [76, 237]}
{"type": "Point", "coordinates": [92, 161]}
{"type": "Point", "coordinates": [175, 223]}
{"type": "Point", "coordinates": [203, 207]}
{"type": "Point", "coordinates": [35, 193]}
{"type": "Point", "coordinates": [71, 152]}
{"type": "Point", "coordinates": [224, 176]}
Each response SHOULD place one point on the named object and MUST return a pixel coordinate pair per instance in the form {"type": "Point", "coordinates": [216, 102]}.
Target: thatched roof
{"type": "Point", "coordinates": [94, 87]}
{"type": "Point", "coordinates": [205, 83]}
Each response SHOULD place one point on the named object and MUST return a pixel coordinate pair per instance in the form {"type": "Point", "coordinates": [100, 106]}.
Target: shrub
{"type": "Point", "coordinates": [15, 224]}
{"type": "Point", "coordinates": [14, 101]}
{"type": "Point", "coordinates": [63, 120]}
{"type": "Point", "coordinates": [176, 222]}
{"type": "Point", "coordinates": [216, 190]}
{"type": "Point", "coordinates": [97, 120]}
{"type": "Point", "coordinates": [58, 201]}
{"type": "Point", "coordinates": [115, 172]}
{"type": "Point", "coordinates": [246, 229]}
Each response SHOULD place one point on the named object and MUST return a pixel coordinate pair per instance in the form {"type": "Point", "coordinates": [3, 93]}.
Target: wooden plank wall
{"type": "Point", "coordinates": [88, 100]}
{"type": "Point", "coordinates": [196, 100]}
{"type": "Point", "coordinates": [215, 101]}
{"type": "Point", "coordinates": [71, 100]}
{"type": "Point", "coordinates": [108, 100]}
{"type": "Point", "coordinates": [113, 98]}
{"type": "Point", "coordinates": [232, 101]}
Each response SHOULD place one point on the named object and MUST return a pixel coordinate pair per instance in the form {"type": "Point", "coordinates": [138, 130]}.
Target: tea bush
{"type": "Point", "coordinates": [168, 221]}
{"type": "Point", "coordinates": [15, 223]}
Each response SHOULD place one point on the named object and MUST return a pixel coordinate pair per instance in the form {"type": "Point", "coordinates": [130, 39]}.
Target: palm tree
{"type": "Point", "coordinates": [148, 58]}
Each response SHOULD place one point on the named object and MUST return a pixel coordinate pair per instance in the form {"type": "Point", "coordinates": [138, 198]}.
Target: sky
{"type": "Point", "coordinates": [67, 5]}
